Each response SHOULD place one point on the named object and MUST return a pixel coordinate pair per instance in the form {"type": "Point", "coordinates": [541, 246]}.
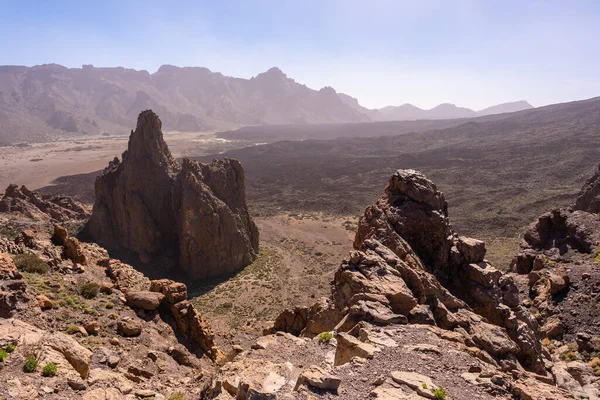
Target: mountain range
{"type": "Point", "coordinates": [39, 102]}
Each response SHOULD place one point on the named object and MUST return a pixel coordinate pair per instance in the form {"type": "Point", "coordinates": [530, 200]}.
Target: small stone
{"type": "Point", "coordinates": [76, 384]}
{"type": "Point", "coordinates": [237, 348]}
{"type": "Point", "coordinates": [152, 355]}
{"type": "Point", "coordinates": [113, 361]}
{"type": "Point", "coordinates": [129, 328]}
{"type": "Point", "coordinates": [318, 378]}
{"type": "Point", "coordinates": [92, 328]}
{"type": "Point", "coordinates": [115, 341]}
{"type": "Point", "coordinates": [44, 302]}
{"type": "Point", "coordinates": [143, 393]}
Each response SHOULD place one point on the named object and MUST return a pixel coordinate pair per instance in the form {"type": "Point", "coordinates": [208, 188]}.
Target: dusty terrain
{"type": "Point", "coordinates": [298, 257]}
{"type": "Point", "coordinates": [38, 164]}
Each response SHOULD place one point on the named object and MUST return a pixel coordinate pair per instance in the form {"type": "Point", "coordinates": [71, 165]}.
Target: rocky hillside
{"type": "Point", "coordinates": [415, 312]}
{"type": "Point", "coordinates": [149, 204]}
{"type": "Point", "coordinates": [37, 101]}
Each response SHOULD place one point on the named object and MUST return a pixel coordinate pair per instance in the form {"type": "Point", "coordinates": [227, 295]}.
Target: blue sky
{"type": "Point", "coordinates": [384, 52]}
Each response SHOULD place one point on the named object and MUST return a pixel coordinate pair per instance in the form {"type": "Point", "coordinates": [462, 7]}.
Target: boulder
{"type": "Point", "coordinates": [129, 328]}
{"type": "Point", "coordinates": [8, 269]}
{"type": "Point", "coordinates": [473, 250]}
{"type": "Point", "coordinates": [144, 300]}
{"type": "Point", "coordinates": [59, 235]}
{"type": "Point", "coordinates": [73, 250]}
{"type": "Point", "coordinates": [77, 355]}
{"type": "Point", "coordinates": [44, 302]}
{"type": "Point", "coordinates": [200, 215]}
{"type": "Point", "coordinates": [317, 378]}
{"type": "Point", "coordinates": [349, 347]}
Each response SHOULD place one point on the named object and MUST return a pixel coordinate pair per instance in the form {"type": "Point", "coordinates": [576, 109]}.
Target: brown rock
{"type": "Point", "coordinates": [93, 328]}
{"type": "Point", "coordinates": [44, 302]}
{"type": "Point", "coordinates": [473, 250]}
{"type": "Point", "coordinates": [8, 269]}
{"type": "Point", "coordinates": [174, 291]}
{"type": "Point", "coordinates": [349, 347]}
{"type": "Point", "coordinates": [148, 301]}
{"type": "Point", "coordinates": [317, 377]}
{"type": "Point", "coordinates": [73, 250]}
{"type": "Point", "coordinates": [201, 213]}
{"type": "Point", "coordinates": [128, 328]}
{"type": "Point", "coordinates": [553, 327]}
{"type": "Point", "coordinates": [60, 235]}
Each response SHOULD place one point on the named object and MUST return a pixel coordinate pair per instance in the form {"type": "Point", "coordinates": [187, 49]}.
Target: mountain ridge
{"type": "Point", "coordinates": [42, 102]}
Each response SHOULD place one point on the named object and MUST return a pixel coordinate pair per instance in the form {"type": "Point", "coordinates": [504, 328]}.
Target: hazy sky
{"type": "Point", "coordinates": [384, 52]}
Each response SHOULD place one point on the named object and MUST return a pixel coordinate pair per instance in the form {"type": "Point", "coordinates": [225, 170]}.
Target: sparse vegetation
{"type": "Point", "coordinates": [49, 370]}
{"type": "Point", "coordinates": [177, 396]}
{"type": "Point", "coordinates": [3, 355]}
{"type": "Point", "coordinates": [424, 385]}
{"type": "Point", "coordinates": [30, 364]}
{"type": "Point", "coordinates": [440, 393]}
{"type": "Point", "coordinates": [10, 347]}
{"type": "Point", "coordinates": [29, 262]}
{"type": "Point", "coordinates": [325, 337]}
{"type": "Point", "coordinates": [88, 290]}
{"type": "Point", "coordinates": [569, 356]}
{"type": "Point", "coordinates": [72, 329]}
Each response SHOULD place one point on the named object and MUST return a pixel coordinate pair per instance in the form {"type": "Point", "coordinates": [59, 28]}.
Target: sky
{"type": "Point", "coordinates": [383, 52]}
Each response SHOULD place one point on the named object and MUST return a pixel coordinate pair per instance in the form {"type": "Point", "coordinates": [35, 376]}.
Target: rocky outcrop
{"type": "Point", "coordinates": [410, 266]}
{"type": "Point", "coordinates": [42, 207]}
{"type": "Point", "coordinates": [150, 204]}
{"type": "Point", "coordinates": [589, 197]}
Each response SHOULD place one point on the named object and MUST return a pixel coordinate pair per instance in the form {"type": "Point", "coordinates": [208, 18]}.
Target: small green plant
{"type": "Point", "coordinates": [49, 370]}
{"type": "Point", "coordinates": [29, 262]}
{"type": "Point", "coordinates": [176, 396]}
{"type": "Point", "coordinates": [72, 329]}
{"type": "Point", "coordinates": [325, 337]}
{"type": "Point", "coordinates": [30, 364]}
{"type": "Point", "coordinates": [10, 347]}
{"type": "Point", "coordinates": [424, 385]}
{"type": "Point", "coordinates": [89, 290]}
{"type": "Point", "coordinates": [109, 305]}
{"type": "Point", "coordinates": [570, 356]}
{"type": "Point", "coordinates": [440, 393]}
{"type": "Point", "coordinates": [3, 355]}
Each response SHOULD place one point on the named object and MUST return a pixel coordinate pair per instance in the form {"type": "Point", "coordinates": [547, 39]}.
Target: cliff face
{"type": "Point", "coordinates": [149, 203]}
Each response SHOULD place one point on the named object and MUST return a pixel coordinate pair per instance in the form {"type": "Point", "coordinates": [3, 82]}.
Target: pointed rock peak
{"type": "Point", "coordinates": [275, 71]}
{"type": "Point", "coordinates": [416, 187]}
{"type": "Point", "coordinates": [147, 142]}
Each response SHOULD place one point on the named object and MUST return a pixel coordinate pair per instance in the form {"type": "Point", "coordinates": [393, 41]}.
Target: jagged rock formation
{"type": "Point", "coordinates": [148, 203]}
{"type": "Point", "coordinates": [589, 197]}
{"type": "Point", "coordinates": [558, 274]}
{"type": "Point", "coordinates": [41, 207]}
{"type": "Point", "coordinates": [411, 267]}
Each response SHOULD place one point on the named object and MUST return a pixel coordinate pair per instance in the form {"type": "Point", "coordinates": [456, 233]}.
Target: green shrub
{"type": "Point", "coordinates": [49, 369]}
{"type": "Point", "coordinates": [325, 337]}
{"type": "Point", "coordinates": [30, 262]}
{"type": "Point", "coordinates": [72, 329]}
{"type": "Point", "coordinates": [10, 347]}
{"type": "Point", "coordinates": [30, 364]}
{"type": "Point", "coordinates": [109, 305]}
{"type": "Point", "coordinates": [89, 290]}
{"type": "Point", "coordinates": [424, 385]}
{"type": "Point", "coordinates": [440, 393]}
{"type": "Point", "coordinates": [3, 355]}
{"type": "Point", "coordinates": [176, 396]}
{"type": "Point", "coordinates": [570, 356]}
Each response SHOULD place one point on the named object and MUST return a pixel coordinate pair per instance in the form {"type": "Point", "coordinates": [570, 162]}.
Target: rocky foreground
{"type": "Point", "coordinates": [415, 311]}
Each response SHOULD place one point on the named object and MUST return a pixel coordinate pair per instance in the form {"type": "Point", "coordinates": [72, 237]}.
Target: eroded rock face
{"type": "Point", "coordinates": [410, 267]}
{"type": "Point", "coordinates": [42, 207]}
{"type": "Point", "coordinates": [589, 197]}
{"type": "Point", "coordinates": [148, 203]}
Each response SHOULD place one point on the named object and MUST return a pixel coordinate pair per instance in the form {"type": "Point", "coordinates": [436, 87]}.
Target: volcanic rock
{"type": "Point", "coordinates": [42, 207]}
{"type": "Point", "coordinates": [149, 204]}
{"type": "Point", "coordinates": [589, 197]}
